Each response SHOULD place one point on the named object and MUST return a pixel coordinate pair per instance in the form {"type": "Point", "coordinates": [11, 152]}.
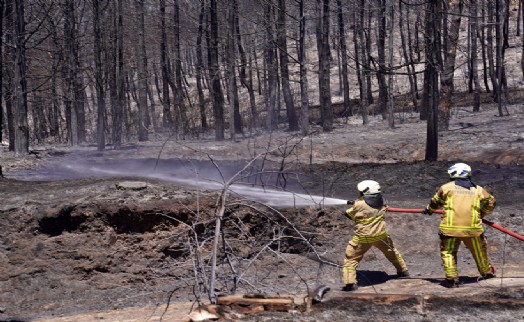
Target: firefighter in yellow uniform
{"type": "Point", "coordinates": [370, 230]}
{"type": "Point", "coordinates": [464, 205]}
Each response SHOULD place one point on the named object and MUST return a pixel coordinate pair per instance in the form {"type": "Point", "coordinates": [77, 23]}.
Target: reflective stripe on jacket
{"type": "Point", "coordinates": [369, 222]}
{"type": "Point", "coordinates": [463, 209]}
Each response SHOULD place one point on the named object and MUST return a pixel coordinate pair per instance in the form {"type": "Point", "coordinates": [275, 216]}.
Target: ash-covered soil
{"type": "Point", "coordinates": [135, 247]}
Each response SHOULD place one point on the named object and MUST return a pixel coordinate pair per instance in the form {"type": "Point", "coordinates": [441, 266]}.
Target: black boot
{"type": "Point", "coordinates": [403, 274]}
{"type": "Point", "coordinates": [451, 283]}
{"type": "Point", "coordinates": [490, 274]}
{"type": "Point", "coordinates": [350, 287]}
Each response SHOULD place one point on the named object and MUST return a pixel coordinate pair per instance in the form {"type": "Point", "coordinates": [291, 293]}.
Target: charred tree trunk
{"type": "Point", "coordinates": [446, 79]}
{"type": "Point", "coordinates": [284, 69]}
{"type": "Point", "coordinates": [9, 72]}
{"type": "Point", "coordinates": [180, 110]}
{"type": "Point", "coordinates": [362, 56]}
{"type": "Point", "coordinates": [214, 72]}
{"type": "Point", "coordinates": [433, 21]}
{"type": "Point", "coordinates": [501, 45]}
{"type": "Point", "coordinates": [234, 29]}
{"type": "Point", "coordinates": [428, 78]}
{"type": "Point", "coordinates": [38, 109]}
{"type": "Point", "coordinates": [474, 56]}
{"type": "Point", "coordinates": [80, 97]}
{"type": "Point", "coordinates": [519, 17]}
{"type": "Point", "coordinates": [381, 50]}
{"type": "Point", "coordinates": [391, 105]}
{"type": "Point", "coordinates": [368, 50]}
{"type": "Point", "coordinates": [326, 111]}
{"type": "Point", "coordinates": [304, 98]}
{"type": "Point", "coordinates": [99, 79]}
{"type": "Point", "coordinates": [200, 69]}
{"type": "Point", "coordinates": [489, 50]}
{"type": "Point", "coordinates": [143, 120]}
{"type": "Point", "coordinates": [252, 103]}
{"type": "Point", "coordinates": [234, 111]}
{"type": "Point", "coordinates": [521, 4]}
{"type": "Point", "coordinates": [344, 59]}
{"type": "Point", "coordinates": [119, 108]}
{"type": "Point", "coordinates": [272, 72]}
{"type": "Point", "coordinates": [112, 67]}
{"type": "Point", "coordinates": [504, 13]}
{"type": "Point", "coordinates": [244, 81]}
{"type": "Point", "coordinates": [21, 133]}
{"type": "Point", "coordinates": [2, 7]}
{"type": "Point", "coordinates": [167, 118]}
{"type": "Point", "coordinates": [54, 115]}
{"type": "Point", "coordinates": [356, 46]}
{"type": "Point", "coordinates": [407, 52]}
{"type": "Point", "coordinates": [152, 104]}
{"type": "Point", "coordinates": [70, 73]}
{"type": "Point", "coordinates": [483, 44]}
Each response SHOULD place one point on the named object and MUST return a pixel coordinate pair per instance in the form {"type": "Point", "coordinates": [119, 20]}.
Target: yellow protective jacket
{"type": "Point", "coordinates": [370, 226]}
{"type": "Point", "coordinates": [463, 209]}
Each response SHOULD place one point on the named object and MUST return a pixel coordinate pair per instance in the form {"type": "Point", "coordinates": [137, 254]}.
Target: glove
{"type": "Point", "coordinates": [426, 211]}
{"type": "Point", "coordinates": [350, 202]}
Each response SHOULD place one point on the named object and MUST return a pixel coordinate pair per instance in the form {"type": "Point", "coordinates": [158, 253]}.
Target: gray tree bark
{"type": "Point", "coordinates": [521, 6]}
{"type": "Point", "coordinates": [454, 15]}
{"type": "Point", "coordinates": [143, 120]}
{"type": "Point", "coordinates": [70, 73]}
{"type": "Point", "coordinates": [474, 55]}
{"type": "Point", "coordinates": [284, 69]}
{"type": "Point", "coordinates": [501, 45]}
{"type": "Point", "coordinates": [2, 7]}
{"type": "Point", "coordinates": [247, 83]}
{"type": "Point", "coordinates": [21, 133]}
{"type": "Point", "coordinates": [180, 109]}
{"type": "Point", "coordinates": [432, 48]}
{"type": "Point", "coordinates": [381, 51]}
{"type": "Point", "coordinates": [344, 59]}
{"type": "Point", "coordinates": [304, 97]}
{"type": "Point", "coordinates": [99, 78]}
{"type": "Point", "coordinates": [490, 47]}
{"type": "Point", "coordinates": [200, 69]}
{"type": "Point", "coordinates": [116, 98]}
{"type": "Point", "coordinates": [167, 118]}
{"type": "Point", "coordinates": [361, 45]}
{"type": "Point", "coordinates": [272, 71]}
{"type": "Point", "coordinates": [407, 51]}
{"type": "Point", "coordinates": [391, 49]}
{"type": "Point", "coordinates": [214, 73]}
{"type": "Point", "coordinates": [324, 86]}
{"type": "Point", "coordinates": [234, 115]}
{"type": "Point", "coordinates": [9, 72]}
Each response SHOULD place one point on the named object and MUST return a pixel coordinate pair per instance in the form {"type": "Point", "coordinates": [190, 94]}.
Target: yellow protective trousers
{"type": "Point", "coordinates": [477, 245]}
{"type": "Point", "coordinates": [355, 252]}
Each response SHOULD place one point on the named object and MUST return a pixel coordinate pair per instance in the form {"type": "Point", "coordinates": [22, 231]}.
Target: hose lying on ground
{"type": "Point", "coordinates": [484, 221]}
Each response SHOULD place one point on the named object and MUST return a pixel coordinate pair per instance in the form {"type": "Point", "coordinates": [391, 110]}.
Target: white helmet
{"type": "Point", "coordinates": [459, 170]}
{"type": "Point", "coordinates": [368, 187]}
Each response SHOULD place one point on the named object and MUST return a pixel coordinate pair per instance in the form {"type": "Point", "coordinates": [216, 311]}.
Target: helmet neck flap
{"type": "Point", "coordinates": [375, 201]}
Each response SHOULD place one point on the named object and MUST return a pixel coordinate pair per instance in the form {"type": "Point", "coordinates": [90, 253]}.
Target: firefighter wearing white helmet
{"type": "Point", "coordinates": [368, 213]}
{"type": "Point", "coordinates": [368, 187]}
{"type": "Point", "coordinates": [464, 204]}
{"type": "Point", "coordinates": [459, 170]}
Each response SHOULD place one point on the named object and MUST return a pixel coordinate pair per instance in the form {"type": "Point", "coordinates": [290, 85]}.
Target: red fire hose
{"type": "Point", "coordinates": [487, 222]}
